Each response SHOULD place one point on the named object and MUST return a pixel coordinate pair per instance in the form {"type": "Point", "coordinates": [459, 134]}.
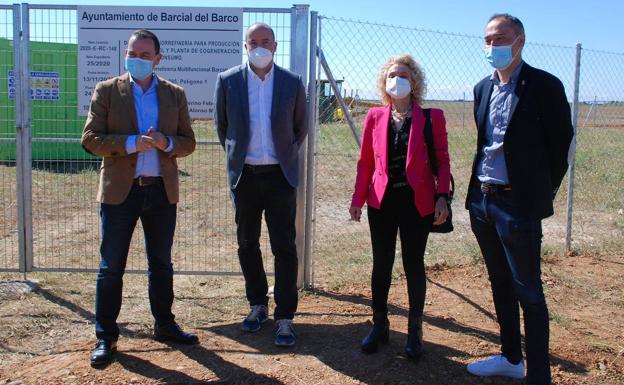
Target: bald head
{"type": "Point", "coordinates": [260, 35]}
{"type": "Point", "coordinates": [259, 26]}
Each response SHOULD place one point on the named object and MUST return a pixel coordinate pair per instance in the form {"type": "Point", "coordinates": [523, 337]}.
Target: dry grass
{"type": "Point", "coordinates": [66, 223]}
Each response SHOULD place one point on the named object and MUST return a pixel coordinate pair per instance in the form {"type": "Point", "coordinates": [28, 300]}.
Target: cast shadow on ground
{"type": "Point", "coordinates": [84, 313]}
{"type": "Point", "coordinates": [452, 325]}
{"type": "Point", "coordinates": [10, 349]}
{"type": "Point", "coordinates": [147, 369]}
{"type": "Point", "coordinates": [442, 323]}
{"type": "Point", "coordinates": [338, 347]}
{"type": "Point", "coordinates": [464, 298]}
{"type": "Point", "coordinates": [224, 371]}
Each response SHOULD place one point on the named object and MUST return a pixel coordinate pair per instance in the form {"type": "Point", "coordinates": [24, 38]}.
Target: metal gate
{"type": "Point", "coordinates": [54, 225]}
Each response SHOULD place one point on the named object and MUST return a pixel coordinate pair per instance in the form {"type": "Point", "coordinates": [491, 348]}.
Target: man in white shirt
{"type": "Point", "coordinates": [261, 120]}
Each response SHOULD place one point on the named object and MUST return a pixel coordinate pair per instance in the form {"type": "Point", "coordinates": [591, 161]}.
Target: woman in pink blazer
{"type": "Point", "coordinates": [395, 179]}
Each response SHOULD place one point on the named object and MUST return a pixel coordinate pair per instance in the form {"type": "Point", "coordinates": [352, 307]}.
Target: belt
{"type": "Point", "coordinates": [490, 188]}
{"type": "Point", "coordinates": [147, 181]}
{"type": "Point", "coordinates": [261, 168]}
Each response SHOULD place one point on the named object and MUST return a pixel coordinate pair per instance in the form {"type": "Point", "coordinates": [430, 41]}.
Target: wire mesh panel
{"type": "Point", "coordinates": [8, 207]}
{"type": "Point", "coordinates": [598, 218]}
{"type": "Point", "coordinates": [66, 226]}
{"type": "Point", "coordinates": [64, 177]}
{"type": "Point", "coordinates": [453, 64]}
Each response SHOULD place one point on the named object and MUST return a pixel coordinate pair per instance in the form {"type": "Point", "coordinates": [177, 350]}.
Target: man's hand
{"type": "Point", "coordinates": [144, 143]}
{"type": "Point", "coordinates": [160, 140]}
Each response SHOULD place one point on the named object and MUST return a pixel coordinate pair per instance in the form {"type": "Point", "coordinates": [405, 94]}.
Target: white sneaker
{"type": "Point", "coordinates": [497, 366]}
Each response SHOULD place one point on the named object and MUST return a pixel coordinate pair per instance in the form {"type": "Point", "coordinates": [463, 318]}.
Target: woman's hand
{"type": "Point", "coordinates": [356, 213]}
{"type": "Point", "coordinates": [441, 211]}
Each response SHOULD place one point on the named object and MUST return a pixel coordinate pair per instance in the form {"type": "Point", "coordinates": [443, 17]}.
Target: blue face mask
{"type": "Point", "coordinates": [500, 56]}
{"type": "Point", "coordinates": [139, 68]}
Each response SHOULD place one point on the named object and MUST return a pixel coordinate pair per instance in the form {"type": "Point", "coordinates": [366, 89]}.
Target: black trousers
{"type": "Point", "coordinates": [399, 214]}
{"type": "Point", "coordinates": [158, 216]}
{"type": "Point", "coordinates": [261, 191]}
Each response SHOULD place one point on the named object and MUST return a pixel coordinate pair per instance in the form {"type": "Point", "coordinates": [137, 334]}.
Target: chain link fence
{"type": "Point", "coordinates": [598, 219]}
{"type": "Point", "coordinates": [453, 64]}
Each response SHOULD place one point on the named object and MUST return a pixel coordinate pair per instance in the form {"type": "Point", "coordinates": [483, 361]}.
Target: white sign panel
{"type": "Point", "coordinates": [43, 85]}
{"type": "Point", "coordinates": [196, 43]}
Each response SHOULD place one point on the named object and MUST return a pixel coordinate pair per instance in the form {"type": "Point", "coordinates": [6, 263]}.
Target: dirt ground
{"type": "Point", "coordinates": [46, 335]}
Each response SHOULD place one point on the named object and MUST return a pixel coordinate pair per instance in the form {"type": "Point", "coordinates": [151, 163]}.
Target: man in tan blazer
{"type": "Point", "coordinates": [139, 123]}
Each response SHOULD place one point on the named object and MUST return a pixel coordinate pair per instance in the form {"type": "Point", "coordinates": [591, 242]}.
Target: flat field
{"type": "Point", "coordinates": [46, 334]}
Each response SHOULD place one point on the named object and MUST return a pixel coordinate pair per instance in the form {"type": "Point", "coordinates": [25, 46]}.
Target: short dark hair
{"type": "Point", "coordinates": [263, 25]}
{"type": "Point", "coordinates": [145, 34]}
{"type": "Point", "coordinates": [516, 24]}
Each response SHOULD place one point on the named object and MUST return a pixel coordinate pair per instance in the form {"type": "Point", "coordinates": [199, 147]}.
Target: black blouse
{"type": "Point", "coordinates": [397, 152]}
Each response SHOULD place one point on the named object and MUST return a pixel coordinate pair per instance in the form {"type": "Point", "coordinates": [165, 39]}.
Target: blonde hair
{"type": "Point", "coordinates": [417, 78]}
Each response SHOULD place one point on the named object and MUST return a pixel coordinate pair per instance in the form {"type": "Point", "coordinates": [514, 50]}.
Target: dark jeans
{"type": "Point", "coordinates": [398, 214]}
{"type": "Point", "coordinates": [511, 243]}
{"type": "Point", "coordinates": [158, 218]}
{"type": "Point", "coordinates": [269, 192]}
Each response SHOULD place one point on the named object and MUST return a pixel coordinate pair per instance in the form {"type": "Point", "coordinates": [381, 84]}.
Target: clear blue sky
{"type": "Point", "coordinates": [453, 62]}
{"type": "Point", "coordinates": [560, 22]}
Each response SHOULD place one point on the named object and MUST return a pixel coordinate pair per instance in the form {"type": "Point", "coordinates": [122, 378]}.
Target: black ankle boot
{"type": "Point", "coordinates": [379, 333]}
{"type": "Point", "coordinates": [414, 346]}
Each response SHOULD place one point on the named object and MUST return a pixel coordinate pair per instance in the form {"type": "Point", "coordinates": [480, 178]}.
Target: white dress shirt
{"type": "Point", "coordinates": [261, 149]}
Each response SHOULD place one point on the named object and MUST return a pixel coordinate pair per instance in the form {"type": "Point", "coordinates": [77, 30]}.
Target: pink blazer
{"type": "Point", "coordinates": [372, 168]}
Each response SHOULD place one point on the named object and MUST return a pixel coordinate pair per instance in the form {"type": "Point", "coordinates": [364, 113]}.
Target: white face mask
{"type": "Point", "coordinates": [260, 57]}
{"type": "Point", "coordinates": [398, 87]}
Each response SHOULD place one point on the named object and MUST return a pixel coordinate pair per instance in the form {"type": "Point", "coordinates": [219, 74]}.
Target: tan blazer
{"type": "Point", "coordinates": [112, 118]}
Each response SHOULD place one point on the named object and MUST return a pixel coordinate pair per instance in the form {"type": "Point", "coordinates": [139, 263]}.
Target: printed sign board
{"type": "Point", "coordinates": [43, 85]}
{"type": "Point", "coordinates": [196, 43]}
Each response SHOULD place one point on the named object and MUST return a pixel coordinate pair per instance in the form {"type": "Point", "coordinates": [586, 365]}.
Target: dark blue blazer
{"type": "Point", "coordinates": [536, 142]}
{"type": "Point", "coordinates": [289, 122]}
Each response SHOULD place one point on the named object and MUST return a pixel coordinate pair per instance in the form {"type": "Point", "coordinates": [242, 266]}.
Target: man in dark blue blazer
{"type": "Point", "coordinates": [524, 133]}
{"type": "Point", "coordinates": [261, 120]}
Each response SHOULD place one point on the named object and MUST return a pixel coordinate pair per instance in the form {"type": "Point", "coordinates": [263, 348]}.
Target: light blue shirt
{"type": "Point", "coordinates": [493, 168]}
{"type": "Point", "coordinates": [146, 108]}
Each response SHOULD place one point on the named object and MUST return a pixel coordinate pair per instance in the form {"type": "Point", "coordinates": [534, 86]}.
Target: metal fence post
{"type": "Point", "coordinates": [24, 139]}
{"type": "Point", "coordinates": [23, 162]}
{"type": "Point", "coordinates": [19, 163]}
{"type": "Point", "coordinates": [312, 146]}
{"type": "Point", "coordinates": [298, 55]}
{"type": "Point", "coordinates": [572, 151]}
